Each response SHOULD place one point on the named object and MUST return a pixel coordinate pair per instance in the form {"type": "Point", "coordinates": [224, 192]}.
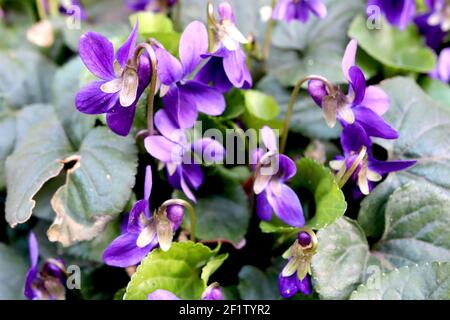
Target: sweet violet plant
{"type": "Point", "coordinates": [174, 159]}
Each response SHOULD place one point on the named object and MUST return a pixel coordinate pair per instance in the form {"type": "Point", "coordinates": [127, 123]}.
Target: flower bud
{"type": "Point", "coordinates": [175, 214]}
{"type": "Point", "coordinates": [213, 292]}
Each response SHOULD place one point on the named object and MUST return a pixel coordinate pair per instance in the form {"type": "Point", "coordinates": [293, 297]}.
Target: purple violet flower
{"type": "Point", "coordinates": [120, 85]}
{"type": "Point", "coordinates": [357, 151]}
{"type": "Point", "coordinates": [162, 295]}
{"type": "Point", "coordinates": [48, 284]}
{"type": "Point", "coordinates": [361, 105]}
{"type": "Point", "coordinates": [435, 24]}
{"type": "Point", "coordinates": [289, 10]}
{"type": "Point", "coordinates": [149, 5]}
{"type": "Point", "coordinates": [227, 66]}
{"type": "Point", "coordinates": [295, 276]}
{"type": "Point", "coordinates": [174, 150]}
{"type": "Point", "coordinates": [442, 71]}
{"type": "Point", "coordinates": [399, 13]}
{"type": "Point", "coordinates": [272, 171]}
{"type": "Point", "coordinates": [184, 98]}
{"type": "Point", "coordinates": [144, 232]}
{"type": "Point", "coordinates": [72, 7]}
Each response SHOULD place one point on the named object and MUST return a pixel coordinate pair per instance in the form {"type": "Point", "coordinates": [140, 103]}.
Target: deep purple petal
{"type": "Point", "coordinates": [304, 286]}
{"type": "Point", "coordinates": [206, 99]}
{"type": "Point", "coordinates": [134, 218]}
{"type": "Point", "coordinates": [181, 107]}
{"type": "Point", "coordinates": [287, 286]}
{"type": "Point", "coordinates": [358, 83]}
{"type": "Point", "coordinates": [120, 119]}
{"type": "Point", "coordinates": [92, 100]}
{"type": "Point", "coordinates": [214, 73]}
{"type": "Point", "coordinates": [317, 90]}
{"type": "Point", "coordinates": [287, 167]}
{"type": "Point", "coordinates": [170, 69]}
{"type": "Point", "coordinates": [126, 51]}
{"type": "Point", "coordinates": [193, 43]}
{"type": "Point", "coordinates": [373, 124]}
{"type": "Point", "coordinates": [97, 53]}
{"type": "Point", "coordinates": [193, 175]}
{"type": "Point", "coordinates": [123, 251]}
{"type": "Point", "coordinates": [263, 208]}
{"type": "Point", "coordinates": [385, 167]}
{"type": "Point", "coordinates": [287, 206]}
{"type": "Point", "coordinates": [353, 138]}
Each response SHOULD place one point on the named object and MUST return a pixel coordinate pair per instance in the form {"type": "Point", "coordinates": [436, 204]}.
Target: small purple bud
{"type": "Point", "coordinates": [287, 286]}
{"type": "Point", "coordinates": [317, 91]}
{"type": "Point", "coordinates": [175, 214]}
{"type": "Point", "coordinates": [226, 12]}
{"type": "Point", "coordinates": [304, 239]}
{"type": "Point", "coordinates": [213, 292]}
{"type": "Point", "coordinates": [304, 286]}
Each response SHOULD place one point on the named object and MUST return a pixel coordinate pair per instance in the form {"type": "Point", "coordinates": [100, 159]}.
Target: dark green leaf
{"type": "Point", "coordinates": [437, 90]}
{"type": "Point", "coordinates": [257, 285]}
{"type": "Point", "coordinates": [13, 268]}
{"type": "Point", "coordinates": [401, 49]}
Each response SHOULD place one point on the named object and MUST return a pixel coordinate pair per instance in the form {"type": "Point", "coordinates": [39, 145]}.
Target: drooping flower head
{"type": "Point", "coordinates": [144, 231]}
{"type": "Point", "coordinates": [290, 10]}
{"type": "Point", "coordinates": [399, 13]}
{"type": "Point", "coordinates": [362, 105]}
{"type": "Point", "coordinates": [295, 276]}
{"type": "Point", "coordinates": [435, 24]}
{"type": "Point", "coordinates": [227, 65]}
{"type": "Point", "coordinates": [184, 98]}
{"type": "Point", "coordinates": [358, 160]}
{"type": "Point", "coordinates": [150, 5]}
{"type": "Point", "coordinates": [47, 284]}
{"type": "Point", "coordinates": [174, 149]}
{"type": "Point", "coordinates": [72, 8]}
{"type": "Point", "coordinates": [272, 171]}
{"type": "Point", "coordinates": [442, 71]}
{"type": "Point", "coordinates": [120, 83]}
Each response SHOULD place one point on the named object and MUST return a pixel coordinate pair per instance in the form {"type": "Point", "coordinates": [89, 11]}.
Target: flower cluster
{"type": "Point", "coordinates": [360, 114]}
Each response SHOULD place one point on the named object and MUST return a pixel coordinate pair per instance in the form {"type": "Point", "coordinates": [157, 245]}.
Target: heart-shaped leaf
{"type": "Point", "coordinates": [339, 265]}
{"type": "Point", "coordinates": [98, 182]}
{"type": "Point", "coordinates": [400, 49]}
{"type": "Point", "coordinates": [177, 270]}
{"type": "Point", "coordinates": [257, 285]}
{"type": "Point", "coordinates": [429, 281]}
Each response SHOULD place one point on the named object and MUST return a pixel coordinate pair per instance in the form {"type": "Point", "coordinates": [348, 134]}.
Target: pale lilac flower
{"type": "Point", "coordinates": [442, 71]}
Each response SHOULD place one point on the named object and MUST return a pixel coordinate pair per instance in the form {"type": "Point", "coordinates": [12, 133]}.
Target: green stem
{"type": "Point", "coordinates": [294, 96]}
{"type": "Point", "coordinates": [186, 205]}
{"type": "Point", "coordinates": [268, 34]}
{"type": "Point", "coordinates": [212, 22]}
{"type": "Point", "coordinates": [342, 180]}
{"type": "Point", "coordinates": [152, 88]}
{"type": "Point", "coordinates": [41, 10]}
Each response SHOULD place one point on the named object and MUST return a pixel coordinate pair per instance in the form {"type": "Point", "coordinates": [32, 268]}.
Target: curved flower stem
{"type": "Point", "coordinates": [268, 34]}
{"type": "Point", "coordinates": [41, 10]}
{"type": "Point", "coordinates": [186, 205]}
{"type": "Point", "coordinates": [295, 92]}
{"type": "Point", "coordinates": [344, 175]}
{"type": "Point", "coordinates": [212, 22]}
{"type": "Point", "coordinates": [152, 88]}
